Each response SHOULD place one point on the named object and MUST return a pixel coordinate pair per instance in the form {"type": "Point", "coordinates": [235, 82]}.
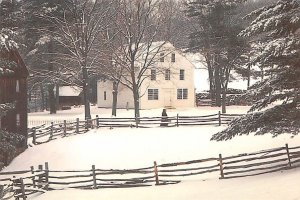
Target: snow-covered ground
{"type": "Point", "coordinates": [38, 118]}
{"type": "Point", "coordinates": [125, 148]}
{"type": "Point", "coordinates": [276, 186]}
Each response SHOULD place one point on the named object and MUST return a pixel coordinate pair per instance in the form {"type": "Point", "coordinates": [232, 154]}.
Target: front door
{"type": "Point", "coordinates": [167, 97]}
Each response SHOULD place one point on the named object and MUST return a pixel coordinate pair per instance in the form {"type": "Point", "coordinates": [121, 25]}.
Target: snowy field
{"type": "Point", "coordinates": [38, 118]}
{"type": "Point", "coordinates": [125, 148]}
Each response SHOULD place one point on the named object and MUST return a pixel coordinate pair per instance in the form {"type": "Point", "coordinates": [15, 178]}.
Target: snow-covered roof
{"type": "Point", "coordinates": [69, 91]}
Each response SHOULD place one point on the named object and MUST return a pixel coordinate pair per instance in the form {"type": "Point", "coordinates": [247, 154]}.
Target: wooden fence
{"type": "Point", "coordinates": [23, 183]}
{"type": "Point", "coordinates": [45, 133]}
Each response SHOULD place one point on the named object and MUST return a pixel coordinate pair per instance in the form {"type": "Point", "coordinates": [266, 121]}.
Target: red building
{"type": "Point", "coordinates": [13, 89]}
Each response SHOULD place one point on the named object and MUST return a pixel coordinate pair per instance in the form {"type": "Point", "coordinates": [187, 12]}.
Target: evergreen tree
{"type": "Point", "coordinates": [41, 46]}
{"type": "Point", "coordinates": [217, 26]}
{"type": "Point", "coordinates": [276, 27]}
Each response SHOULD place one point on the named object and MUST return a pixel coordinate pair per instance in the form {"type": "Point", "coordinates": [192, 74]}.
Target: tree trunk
{"type": "Point", "coordinates": [51, 99]}
{"type": "Point", "coordinates": [43, 98]}
{"type": "Point", "coordinates": [211, 77]}
{"type": "Point", "coordinates": [224, 92]}
{"type": "Point", "coordinates": [57, 96]}
{"type": "Point", "coordinates": [115, 99]}
{"type": "Point", "coordinates": [136, 102]}
{"type": "Point", "coordinates": [85, 88]}
{"type": "Point", "coordinates": [217, 83]}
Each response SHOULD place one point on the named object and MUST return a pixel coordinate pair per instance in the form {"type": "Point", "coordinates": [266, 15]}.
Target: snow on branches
{"type": "Point", "coordinates": [6, 43]}
{"type": "Point", "coordinates": [276, 31]}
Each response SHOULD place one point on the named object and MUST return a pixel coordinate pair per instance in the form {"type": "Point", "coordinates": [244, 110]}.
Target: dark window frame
{"type": "Point", "coordinates": [173, 57]}
{"type": "Point", "coordinates": [168, 74]}
{"type": "Point", "coordinates": [153, 94]}
{"type": "Point", "coordinates": [153, 75]}
{"type": "Point", "coordinates": [182, 75]}
{"type": "Point", "coordinates": [182, 93]}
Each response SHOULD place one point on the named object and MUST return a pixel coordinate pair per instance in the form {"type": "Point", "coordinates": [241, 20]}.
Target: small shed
{"type": "Point", "coordinates": [13, 88]}
{"type": "Point", "coordinates": [70, 96]}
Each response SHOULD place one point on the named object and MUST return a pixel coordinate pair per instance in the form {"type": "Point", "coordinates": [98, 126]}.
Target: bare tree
{"type": "Point", "coordinates": [83, 22]}
{"type": "Point", "coordinates": [138, 26]}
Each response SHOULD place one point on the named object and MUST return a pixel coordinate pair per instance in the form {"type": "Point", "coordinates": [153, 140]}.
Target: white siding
{"type": "Point", "coordinates": [167, 89]}
{"type": "Point", "coordinates": [125, 99]}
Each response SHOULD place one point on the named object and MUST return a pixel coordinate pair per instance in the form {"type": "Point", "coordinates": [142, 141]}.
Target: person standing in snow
{"type": "Point", "coordinates": [164, 118]}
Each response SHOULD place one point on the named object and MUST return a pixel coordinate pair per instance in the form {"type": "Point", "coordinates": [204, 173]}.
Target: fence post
{"type": "Point", "coordinates": [1, 190]}
{"type": "Point", "coordinates": [177, 120]}
{"type": "Point", "coordinates": [91, 123]}
{"type": "Point", "coordinates": [23, 189]}
{"type": "Point", "coordinates": [47, 175]}
{"type": "Point", "coordinates": [65, 128]}
{"type": "Point", "coordinates": [77, 125]}
{"type": "Point", "coordinates": [94, 177]}
{"type": "Point", "coordinates": [86, 122]}
{"type": "Point", "coordinates": [97, 121]}
{"type": "Point", "coordinates": [51, 131]}
{"type": "Point", "coordinates": [288, 154]}
{"type": "Point", "coordinates": [40, 176]}
{"type": "Point", "coordinates": [156, 173]}
{"type": "Point", "coordinates": [221, 166]}
{"type": "Point", "coordinates": [137, 122]}
{"type": "Point", "coordinates": [220, 122]}
{"type": "Point", "coordinates": [33, 136]}
{"type": "Point", "coordinates": [32, 172]}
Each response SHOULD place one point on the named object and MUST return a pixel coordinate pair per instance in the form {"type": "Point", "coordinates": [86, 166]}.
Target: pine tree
{"type": "Point", "coordinates": [41, 46]}
{"type": "Point", "coordinates": [216, 38]}
{"type": "Point", "coordinates": [276, 27]}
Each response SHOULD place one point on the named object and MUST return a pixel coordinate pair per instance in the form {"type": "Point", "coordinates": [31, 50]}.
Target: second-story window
{"type": "Point", "coordinates": [173, 57]}
{"type": "Point", "coordinates": [181, 74]}
{"type": "Point", "coordinates": [104, 95]}
{"type": "Point", "coordinates": [167, 74]}
{"type": "Point", "coordinates": [153, 74]}
{"type": "Point", "coordinates": [162, 57]}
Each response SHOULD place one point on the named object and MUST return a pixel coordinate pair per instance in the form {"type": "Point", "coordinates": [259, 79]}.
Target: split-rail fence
{"type": "Point", "coordinates": [20, 184]}
{"type": "Point", "coordinates": [45, 133]}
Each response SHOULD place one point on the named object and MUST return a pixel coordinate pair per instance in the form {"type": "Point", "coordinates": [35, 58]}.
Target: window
{"type": "Point", "coordinates": [104, 95]}
{"type": "Point", "coordinates": [173, 57]}
{"type": "Point", "coordinates": [182, 93]}
{"type": "Point", "coordinates": [181, 75]}
{"type": "Point", "coordinates": [152, 94]}
{"type": "Point", "coordinates": [153, 74]}
{"type": "Point", "coordinates": [167, 74]}
{"type": "Point", "coordinates": [18, 122]}
{"type": "Point", "coordinates": [162, 57]}
{"type": "Point", "coordinates": [17, 86]}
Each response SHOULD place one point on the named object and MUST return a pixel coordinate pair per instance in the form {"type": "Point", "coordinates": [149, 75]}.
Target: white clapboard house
{"type": "Point", "coordinates": [169, 83]}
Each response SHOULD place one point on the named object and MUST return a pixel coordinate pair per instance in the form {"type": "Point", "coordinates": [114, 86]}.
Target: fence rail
{"type": "Point", "coordinates": [20, 184]}
{"type": "Point", "coordinates": [45, 133]}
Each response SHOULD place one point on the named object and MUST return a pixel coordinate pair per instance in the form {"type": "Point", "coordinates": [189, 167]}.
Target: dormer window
{"type": "Point", "coordinates": [173, 57]}
{"type": "Point", "coordinates": [17, 86]}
